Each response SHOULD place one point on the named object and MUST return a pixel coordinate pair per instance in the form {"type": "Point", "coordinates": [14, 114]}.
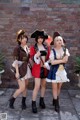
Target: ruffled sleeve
{"type": "Point", "coordinates": [51, 57]}
{"type": "Point", "coordinates": [33, 55]}
{"type": "Point", "coordinates": [67, 52]}
{"type": "Point", "coordinates": [36, 59]}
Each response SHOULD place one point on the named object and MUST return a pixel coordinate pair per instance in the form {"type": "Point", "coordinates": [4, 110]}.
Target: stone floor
{"type": "Point", "coordinates": [69, 106]}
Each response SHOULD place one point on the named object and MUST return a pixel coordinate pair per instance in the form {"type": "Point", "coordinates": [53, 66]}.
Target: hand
{"type": "Point", "coordinates": [17, 75]}
{"type": "Point", "coordinates": [38, 54]}
{"type": "Point", "coordinates": [44, 66]}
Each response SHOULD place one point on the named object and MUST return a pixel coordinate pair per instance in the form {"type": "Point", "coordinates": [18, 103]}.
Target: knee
{"type": "Point", "coordinates": [22, 89]}
{"type": "Point", "coordinates": [55, 89]}
{"type": "Point", "coordinates": [43, 85]}
{"type": "Point", "coordinates": [37, 87]}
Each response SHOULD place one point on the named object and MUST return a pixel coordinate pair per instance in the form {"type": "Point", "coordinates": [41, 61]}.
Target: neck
{"type": "Point", "coordinates": [58, 47]}
{"type": "Point", "coordinates": [39, 44]}
{"type": "Point", "coordinates": [22, 45]}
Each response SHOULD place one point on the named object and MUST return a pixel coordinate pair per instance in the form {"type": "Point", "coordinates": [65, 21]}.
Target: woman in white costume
{"type": "Point", "coordinates": [57, 74]}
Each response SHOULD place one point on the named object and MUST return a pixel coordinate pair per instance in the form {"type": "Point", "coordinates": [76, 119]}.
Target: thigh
{"type": "Point", "coordinates": [43, 82]}
{"type": "Point", "coordinates": [21, 83]}
{"type": "Point", "coordinates": [37, 81]}
{"type": "Point", "coordinates": [59, 85]}
{"type": "Point", "coordinates": [54, 85]}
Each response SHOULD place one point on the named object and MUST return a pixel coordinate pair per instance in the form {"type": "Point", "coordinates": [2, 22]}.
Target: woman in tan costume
{"type": "Point", "coordinates": [22, 70]}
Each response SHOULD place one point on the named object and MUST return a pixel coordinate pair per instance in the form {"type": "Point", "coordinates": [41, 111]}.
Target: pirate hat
{"type": "Point", "coordinates": [19, 33]}
{"type": "Point", "coordinates": [56, 34]}
{"type": "Point", "coordinates": [37, 33]}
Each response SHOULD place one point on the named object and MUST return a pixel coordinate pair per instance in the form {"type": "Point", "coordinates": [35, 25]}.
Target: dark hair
{"type": "Point", "coordinates": [36, 39]}
{"type": "Point", "coordinates": [21, 36]}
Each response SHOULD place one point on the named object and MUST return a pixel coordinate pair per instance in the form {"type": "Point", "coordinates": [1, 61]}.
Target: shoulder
{"type": "Point", "coordinates": [32, 47]}
{"type": "Point", "coordinates": [16, 48]}
{"type": "Point", "coordinates": [32, 50]}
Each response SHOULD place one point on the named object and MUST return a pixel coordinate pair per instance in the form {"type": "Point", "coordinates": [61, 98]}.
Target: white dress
{"type": "Point", "coordinates": [28, 74]}
{"type": "Point", "coordinates": [61, 74]}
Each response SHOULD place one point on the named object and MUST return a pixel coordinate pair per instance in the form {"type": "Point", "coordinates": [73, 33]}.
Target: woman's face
{"type": "Point", "coordinates": [58, 42]}
{"type": "Point", "coordinates": [40, 40]}
{"type": "Point", "coordinates": [24, 41]}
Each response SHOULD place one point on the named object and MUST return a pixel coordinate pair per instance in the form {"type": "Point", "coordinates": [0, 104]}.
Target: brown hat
{"type": "Point", "coordinates": [56, 34]}
{"type": "Point", "coordinates": [19, 33]}
{"type": "Point", "coordinates": [37, 33]}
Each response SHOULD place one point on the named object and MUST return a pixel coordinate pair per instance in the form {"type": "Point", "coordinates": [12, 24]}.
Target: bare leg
{"type": "Point", "coordinates": [17, 92]}
{"type": "Point", "coordinates": [54, 90]}
{"type": "Point", "coordinates": [21, 88]}
{"type": "Point", "coordinates": [35, 92]}
{"type": "Point", "coordinates": [43, 87]}
{"type": "Point", "coordinates": [36, 88]}
{"type": "Point", "coordinates": [55, 96]}
{"type": "Point", "coordinates": [23, 106]}
{"type": "Point", "coordinates": [59, 88]}
{"type": "Point", "coordinates": [25, 91]}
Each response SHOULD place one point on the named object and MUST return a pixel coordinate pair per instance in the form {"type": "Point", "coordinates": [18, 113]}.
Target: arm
{"type": "Point", "coordinates": [67, 54]}
{"type": "Point", "coordinates": [34, 56]}
{"type": "Point", "coordinates": [54, 61]}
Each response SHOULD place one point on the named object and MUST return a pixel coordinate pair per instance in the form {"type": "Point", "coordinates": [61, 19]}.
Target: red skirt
{"type": "Point", "coordinates": [36, 71]}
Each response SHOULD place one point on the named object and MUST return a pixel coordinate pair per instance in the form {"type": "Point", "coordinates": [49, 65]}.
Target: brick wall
{"type": "Point", "coordinates": [50, 15]}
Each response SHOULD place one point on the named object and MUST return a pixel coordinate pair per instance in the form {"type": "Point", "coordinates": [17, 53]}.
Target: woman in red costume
{"type": "Point", "coordinates": [39, 54]}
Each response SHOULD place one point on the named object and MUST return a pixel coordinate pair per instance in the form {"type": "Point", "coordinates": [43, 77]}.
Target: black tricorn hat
{"type": "Point", "coordinates": [37, 33]}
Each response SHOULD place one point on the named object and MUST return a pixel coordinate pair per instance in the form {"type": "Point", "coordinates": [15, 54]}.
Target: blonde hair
{"type": "Point", "coordinates": [58, 37]}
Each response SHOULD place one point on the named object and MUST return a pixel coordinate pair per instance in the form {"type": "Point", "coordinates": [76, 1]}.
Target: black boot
{"type": "Point", "coordinates": [57, 107]}
{"type": "Point", "coordinates": [34, 108]}
{"type": "Point", "coordinates": [23, 106]}
{"type": "Point", "coordinates": [53, 102]}
{"type": "Point", "coordinates": [41, 103]}
{"type": "Point", "coordinates": [11, 102]}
